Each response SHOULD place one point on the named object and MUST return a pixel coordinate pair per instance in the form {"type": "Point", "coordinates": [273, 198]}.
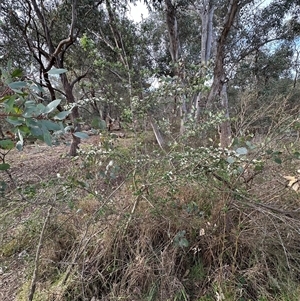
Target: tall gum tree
{"type": "Point", "coordinates": [219, 87]}
{"type": "Point", "coordinates": [243, 28]}
{"type": "Point", "coordinates": [36, 25]}
{"type": "Point", "coordinates": [175, 52]}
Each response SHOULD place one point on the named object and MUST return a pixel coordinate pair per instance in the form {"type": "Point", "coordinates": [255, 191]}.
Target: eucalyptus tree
{"type": "Point", "coordinates": [231, 32]}
{"type": "Point", "coordinates": [117, 53]}
{"type": "Point", "coordinates": [47, 31]}
{"type": "Point", "coordinates": [227, 12]}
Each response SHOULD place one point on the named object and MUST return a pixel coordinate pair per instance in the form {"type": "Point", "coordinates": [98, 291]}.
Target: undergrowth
{"type": "Point", "coordinates": [139, 223]}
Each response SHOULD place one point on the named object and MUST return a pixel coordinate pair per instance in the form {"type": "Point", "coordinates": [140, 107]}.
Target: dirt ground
{"type": "Point", "coordinates": [39, 161]}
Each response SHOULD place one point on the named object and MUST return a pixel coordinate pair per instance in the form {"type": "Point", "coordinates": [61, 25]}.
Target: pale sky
{"type": "Point", "coordinates": [136, 11]}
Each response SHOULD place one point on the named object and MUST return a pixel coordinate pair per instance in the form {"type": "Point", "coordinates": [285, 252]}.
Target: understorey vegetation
{"type": "Point", "coordinates": [129, 219]}
{"type": "Point", "coordinates": [149, 161]}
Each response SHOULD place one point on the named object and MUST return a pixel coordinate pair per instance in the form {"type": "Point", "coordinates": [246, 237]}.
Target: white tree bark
{"type": "Point", "coordinates": [207, 12]}
{"type": "Point", "coordinates": [175, 53]}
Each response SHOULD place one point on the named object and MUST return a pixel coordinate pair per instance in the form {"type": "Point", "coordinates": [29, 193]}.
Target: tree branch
{"type": "Point", "coordinates": [79, 78]}
{"type": "Point", "coordinates": [70, 39]}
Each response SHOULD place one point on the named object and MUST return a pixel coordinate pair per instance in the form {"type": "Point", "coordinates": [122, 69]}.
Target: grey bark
{"type": "Point", "coordinates": [175, 52]}
{"type": "Point", "coordinates": [207, 12]}
{"type": "Point", "coordinates": [172, 31]}
{"type": "Point", "coordinates": [218, 90]}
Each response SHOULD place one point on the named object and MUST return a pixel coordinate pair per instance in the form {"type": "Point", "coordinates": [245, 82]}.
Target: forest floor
{"type": "Point", "coordinates": [189, 234]}
{"type": "Point", "coordinates": [36, 163]}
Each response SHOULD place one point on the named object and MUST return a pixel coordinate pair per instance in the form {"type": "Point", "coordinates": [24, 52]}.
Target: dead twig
{"type": "Point", "coordinates": [37, 257]}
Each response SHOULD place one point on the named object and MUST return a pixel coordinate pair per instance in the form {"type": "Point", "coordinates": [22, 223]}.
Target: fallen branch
{"type": "Point", "coordinates": [37, 257]}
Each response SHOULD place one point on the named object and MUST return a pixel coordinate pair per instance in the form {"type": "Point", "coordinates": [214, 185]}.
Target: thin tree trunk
{"type": "Point", "coordinates": [174, 49]}
{"type": "Point", "coordinates": [159, 138]}
{"type": "Point", "coordinates": [207, 13]}
{"type": "Point", "coordinates": [225, 127]}
{"type": "Point", "coordinates": [218, 90]}
{"type": "Point", "coordinates": [74, 114]}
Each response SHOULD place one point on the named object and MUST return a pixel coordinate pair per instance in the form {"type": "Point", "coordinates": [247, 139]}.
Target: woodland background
{"type": "Point", "coordinates": [150, 160]}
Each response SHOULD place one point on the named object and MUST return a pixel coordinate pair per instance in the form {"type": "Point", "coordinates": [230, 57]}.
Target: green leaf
{"type": "Point", "coordinates": [49, 125]}
{"type": "Point", "coordinates": [24, 129]}
{"type": "Point", "coordinates": [4, 166]}
{"type": "Point", "coordinates": [250, 145]}
{"type": "Point", "coordinates": [35, 131]}
{"type": "Point", "coordinates": [32, 123]}
{"type": "Point", "coordinates": [15, 121]}
{"type": "Point", "coordinates": [6, 144]}
{"type": "Point", "coordinates": [19, 146]}
{"type": "Point", "coordinates": [17, 85]}
{"type": "Point", "coordinates": [17, 73]}
{"type": "Point", "coordinates": [183, 243]}
{"type": "Point", "coordinates": [30, 104]}
{"type": "Point", "coordinates": [259, 166]}
{"type": "Point", "coordinates": [230, 160]}
{"type": "Point", "coordinates": [242, 151]}
{"type": "Point", "coordinates": [30, 112]}
{"type": "Point", "coordinates": [9, 102]}
{"type": "Point", "coordinates": [37, 88]}
{"type": "Point", "coordinates": [296, 155]}
{"type": "Point", "coordinates": [55, 71]}
{"type": "Point", "coordinates": [47, 138]}
{"type": "Point", "coordinates": [98, 123]}
{"type": "Point", "coordinates": [52, 105]}
{"type": "Point", "coordinates": [81, 135]}
{"type": "Point", "coordinates": [40, 109]}
{"type": "Point", "coordinates": [277, 160]}
{"type": "Point", "coordinates": [62, 115]}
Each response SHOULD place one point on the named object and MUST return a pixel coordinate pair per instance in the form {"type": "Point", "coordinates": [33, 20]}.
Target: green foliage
{"type": "Point", "coordinates": [189, 221]}
{"type": "Point", "coordinates": [180, 239]}
{"type": "Point", "coordinates": [27, 115]}
{"type": "Point", "coordinates": [4, 166]}
{"type": "Point", "coordinates": [86, 43]}
{"type": "Point", "coordinates": [25, 112]}
{"type": "Point", "coordinates": [6, 144]}
{"type": "Point", "coordinates": [57, 71]}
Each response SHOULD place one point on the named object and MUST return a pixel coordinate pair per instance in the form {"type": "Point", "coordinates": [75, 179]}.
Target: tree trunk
{"type": "Point", "coordinates": [173, 32]}
{"type": "Point", "coordinates": [74, 114]}
{"type": "Point", "coordinates": [225, 128]}
{"type": "Point", "coordinates": [207, 13]}
{"type": "Point", "coordinates": [218, 90]}
{"type": "Point", "coordinates": [174, 49]}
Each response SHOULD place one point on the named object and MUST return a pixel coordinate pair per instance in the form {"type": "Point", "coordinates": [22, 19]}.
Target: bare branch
{"type": "Point", "coordinates": [42, 19]}
{"type": "Point", "coordinates": [71, 38]}
{"type": "Point", "coordinates": [79, 78]}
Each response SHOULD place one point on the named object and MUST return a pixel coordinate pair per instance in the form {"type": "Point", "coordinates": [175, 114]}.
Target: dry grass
{"type": "Point", "coordinates": [141, 237]}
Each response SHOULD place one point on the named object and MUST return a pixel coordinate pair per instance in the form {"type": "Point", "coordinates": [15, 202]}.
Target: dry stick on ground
{"type": "Point", "coordinates": [37, 257]}
{"type": "Point", "coordinates": [2, 158]}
